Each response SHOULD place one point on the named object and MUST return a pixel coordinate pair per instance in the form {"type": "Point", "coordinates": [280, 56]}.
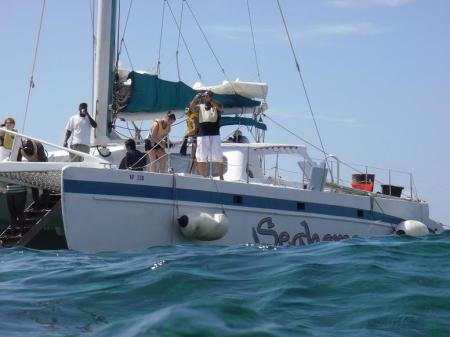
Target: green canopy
{"type": "Point", "coordinates": [152, 94]}
{"type": "Point", "coordinates": [224, 121]}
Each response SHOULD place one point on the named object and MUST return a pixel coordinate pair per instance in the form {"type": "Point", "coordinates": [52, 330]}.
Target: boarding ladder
{"type": "Point", "coordinates": [37, 215]}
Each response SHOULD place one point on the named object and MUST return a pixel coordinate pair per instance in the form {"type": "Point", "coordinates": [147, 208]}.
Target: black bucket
{"type": "Point", "coordinates": [363, 178]}
{"type": "Point", "coordinates": [395, 191]}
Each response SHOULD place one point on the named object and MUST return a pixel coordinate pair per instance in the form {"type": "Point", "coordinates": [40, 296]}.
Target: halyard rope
{"type": "Point", "coordinates": [31, 83]}
{"type": "Point", "coordinates": [297, 65]}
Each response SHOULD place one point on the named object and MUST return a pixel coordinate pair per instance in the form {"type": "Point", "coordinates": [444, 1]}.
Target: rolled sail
{"type": "Point", "coordinates": [145, 96]}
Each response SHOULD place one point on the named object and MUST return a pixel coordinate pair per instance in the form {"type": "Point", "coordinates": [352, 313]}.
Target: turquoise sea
{"type": "Point", "coordinates": [387, 286]}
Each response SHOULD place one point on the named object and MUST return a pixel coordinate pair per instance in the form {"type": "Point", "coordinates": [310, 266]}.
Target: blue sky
{"type": "Point", "coordinates": [377, 71]}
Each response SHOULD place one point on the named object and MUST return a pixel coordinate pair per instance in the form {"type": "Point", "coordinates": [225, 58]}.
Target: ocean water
{"type": "Point", "coordinates": [387, 286]}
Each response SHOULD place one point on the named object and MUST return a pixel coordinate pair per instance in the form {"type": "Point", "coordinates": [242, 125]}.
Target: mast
{"type": "Point", "coordinates": [104, 71]}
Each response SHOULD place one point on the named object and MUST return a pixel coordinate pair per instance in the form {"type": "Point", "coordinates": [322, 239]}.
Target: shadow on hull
{"type": "Point", "coordinates": [43, 230]}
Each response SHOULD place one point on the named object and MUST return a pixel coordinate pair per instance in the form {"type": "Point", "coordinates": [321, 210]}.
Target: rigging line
{"type": "Point", "coordinates": [379, 206]}
{"type": "Point", "coordinates": [178, 42]}
{"type": "Point", "coordinates": [253, 39]}
{"type": "Point", "coordinates": [137, 131]}
{"type": "Point", "coordinates": [122, 41]}
{"type": "Point", "coordinates": [160, 38]}
{"type": "Point", "coordinates": [175, 203]}
{"type": "Point", "coordinates": [118, 39]}
{"type": "Point", "coordinates": [358, 171]}
{"type": "Point", "coordinates": [128, 54]}
{"type": "Point", "coordinates": [126, 23]}
{"type": "Point", "coordinates": [129, 130]}
{"type": "Point", "coordinates": [380, 168]}
{"type": "Point", "coordinates": [31, 83]}
{"type": "Point", "coordinates": [148, 153]}
{"type": "Point", "coordinates": [303, 83]}
{"type": "Point", "coordinates": [222, 206]}
{"type": "Point", "coordinates": [92, 10]}
{"type": "Point", "coordinates": [120, 134]}
{"type": "Point", "coordinates": [293, 134]}
{"type": "Point", "coordinates": [184, 41]}
{"type": "Point", "coordinates": [210, 47]}
{"type": "Point", "coordinates": [140, 127]}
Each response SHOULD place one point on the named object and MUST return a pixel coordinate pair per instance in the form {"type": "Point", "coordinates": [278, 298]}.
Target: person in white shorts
{"type": "Point", "coordinates": [208, 139]}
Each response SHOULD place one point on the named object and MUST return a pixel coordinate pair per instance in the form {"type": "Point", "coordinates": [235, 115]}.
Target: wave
{"type": "Point", "coordinates": [385, 286]}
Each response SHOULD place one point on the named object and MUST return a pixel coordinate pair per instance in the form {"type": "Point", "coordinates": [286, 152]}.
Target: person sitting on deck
{"type": "Point", "coordinates": [134, 159]}
{"type": "Point", "coordinates": [33, 151]}
{"type": "Point", "coordinates": [237, 137]}
{"type": "Point", "coordinates": [156, 142]}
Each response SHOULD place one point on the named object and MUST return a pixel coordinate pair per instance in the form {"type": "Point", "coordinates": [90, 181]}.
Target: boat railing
{"type": "Point", "coordinates": [281, 176]}
{"type": "Point", "coordinates": [20, 137]}
{"type": "Point", "coordinates": [385, 178]}
{"type": "Point", "coordinates": [333, 159]}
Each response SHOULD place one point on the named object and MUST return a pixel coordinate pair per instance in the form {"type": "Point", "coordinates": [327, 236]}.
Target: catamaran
{"type": "Point", "coordinates": [94, 206]}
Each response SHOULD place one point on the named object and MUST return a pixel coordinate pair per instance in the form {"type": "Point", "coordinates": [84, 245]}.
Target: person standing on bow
{"type": "Point", "coordinates": [156, 143]}
{"type": "Point", "coordinates": [79, 128]}
{"type": "Point", "coordinates": [192, 131]}
{"type": "Point", "coordinates": [208, 140]}
{"type": "Point", "coordinates": [7, 139]}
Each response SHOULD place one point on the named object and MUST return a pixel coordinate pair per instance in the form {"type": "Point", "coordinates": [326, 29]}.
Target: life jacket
{"type": "Point", "coordinates": [192, 116]}
{"type": "Point", "coordinates": [8, 140]}
{"type": "Point", "coordinates": [208, 116]}
{"type": "Point", "coordinates": [162, 133]}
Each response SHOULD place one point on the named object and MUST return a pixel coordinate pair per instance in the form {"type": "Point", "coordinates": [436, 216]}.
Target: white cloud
{"type": "Point", "coordinates": [262, 35]}
{"type": "Point", "coordinates": [343, 29]}
{"type": "Point", "coordinates": [334, 120]}
{"type": "Point", "coordinates": [243, 32]}
{"type": "Point", "coordinates": [282, 113]}
{"type": "Point", "coordinates": [340, 121]}
{"type": "Point", "coordinates": [365, 3]}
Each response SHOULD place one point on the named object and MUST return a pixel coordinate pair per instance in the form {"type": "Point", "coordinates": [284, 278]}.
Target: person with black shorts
{"type": "Point", "coordinates": [156, 143]}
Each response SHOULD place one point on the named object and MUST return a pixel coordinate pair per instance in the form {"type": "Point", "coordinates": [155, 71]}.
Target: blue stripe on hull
{"type": "Point", "coordinates": [157, 192]}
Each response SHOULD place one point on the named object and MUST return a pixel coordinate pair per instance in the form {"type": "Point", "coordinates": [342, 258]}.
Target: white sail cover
{"type": "Point", "coordinates": [249, 90]}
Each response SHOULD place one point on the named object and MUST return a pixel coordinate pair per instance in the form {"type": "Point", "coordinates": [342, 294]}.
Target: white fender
{"type": "Point", "coordinates": [412, 228]}
{"type": "Point", "coordinates": [203, 226]}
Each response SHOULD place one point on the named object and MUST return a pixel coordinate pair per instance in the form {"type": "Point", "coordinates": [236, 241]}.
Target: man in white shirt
{"type": "Point", "coordinates": [79, 127]}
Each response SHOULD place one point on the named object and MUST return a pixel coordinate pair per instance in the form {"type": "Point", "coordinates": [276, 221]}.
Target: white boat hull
{"type": "Point", "coordinates": [118, 210]}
